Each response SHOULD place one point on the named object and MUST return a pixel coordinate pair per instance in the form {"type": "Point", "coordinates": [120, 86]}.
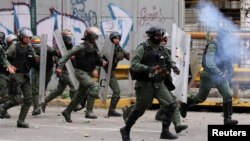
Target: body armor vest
{"type": "Point", "coordinates": [150, 58]}
{"type": "Point", "coordinates": [24, 59]}
{"type": "Point", "coordinates": [88, 59]}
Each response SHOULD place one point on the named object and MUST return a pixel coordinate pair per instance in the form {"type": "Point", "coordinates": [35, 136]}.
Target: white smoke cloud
{"type": "Point", "coordinates": [211, 17]}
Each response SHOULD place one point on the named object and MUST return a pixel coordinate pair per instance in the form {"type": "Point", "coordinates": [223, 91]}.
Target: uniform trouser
{"type": "Point", "coordinates": [35, 85]}
{"type": "Point", "coordinates": [63, 82]}
{"type": "Point", "coordinates": [24, 85]}
{"type": "Point", "coordinates": [145, 93]}
{"type": "Point", "coordinates": [87, 87]}
{"type": "Point", "coordinates": [4, 90]}
{"type": "Point", "coordinates": [206, 83]}
{"type": "Point", "coordinates": [114, 85]}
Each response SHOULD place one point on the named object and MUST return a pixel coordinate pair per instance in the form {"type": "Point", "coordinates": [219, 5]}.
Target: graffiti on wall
{"type": "Point", "coordinates": [245, 10]}
{"type": "Point", "coordinates": [12, 19]}
{"type": "Point", "coordinates": [19, 16]}
{"type": "Point", "coordinates": [150, 16]}
{"type": "Point", "coordinates": [121, 22]}
{"type": "Point", "coordinates": [79, 10]}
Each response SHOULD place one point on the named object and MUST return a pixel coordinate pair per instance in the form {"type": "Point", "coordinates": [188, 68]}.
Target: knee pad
{"type": "Point", "coordinates": [94, 91]}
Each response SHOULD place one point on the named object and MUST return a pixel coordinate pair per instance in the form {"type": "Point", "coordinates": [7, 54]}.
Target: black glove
{"type": "Point", "coordinates": [176, 70]}
{"type": "Point", "coordinates": [151, 69]}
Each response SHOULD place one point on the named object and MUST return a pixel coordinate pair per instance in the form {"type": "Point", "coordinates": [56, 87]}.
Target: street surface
{"type": "Point", "coordinates": [51, 126]}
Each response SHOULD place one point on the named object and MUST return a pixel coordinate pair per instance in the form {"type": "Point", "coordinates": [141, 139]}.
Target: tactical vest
{"type": "Point", "coordinates": [150, 58]}
{"type": "Point", "coordinates": [23, 59]}
{"type": "Point", "coordinates": [88, 59]}
{"type": "Point", "coordinates": [218, 58]}
{"type": "Point", "coordinates": [118, 56]}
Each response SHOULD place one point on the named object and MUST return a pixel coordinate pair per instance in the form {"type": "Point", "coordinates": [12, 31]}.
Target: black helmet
{"type": "Point", "coordinates": [113, 35]}
{"type": "Point", "coordinates": [67, 36]}
{"type": "Point", "coordinates": [152, 31]}
{"type": "Point", "coordinates": [2, 37]}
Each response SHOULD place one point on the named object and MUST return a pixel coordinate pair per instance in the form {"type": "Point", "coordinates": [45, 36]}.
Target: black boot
{"type": "Point", "coordinates": [125, 131]}
{"type": "Point", "coordinates": [168, 112]}
{"type": "Point", "coordinates": [43, 106]}
{"type": "Point", "coordinates": [36, 105]}
{"type": "Point", "coordinates": [159, 115]}
{"type": "Point", "coordinates": [36, 112]}
{"type": "Point", "coordinates": [90, 105]}
{"type": "Point", "coordinates": [126, 111]}
{"type": "Point", "coordinates": [184, 106]}
{"type": "Point", "coordinates": [81, 105]}
{"type": "Point", "coordinates": [67, 116]}
{"type": "Point", "coordinates": [228, 111]}
{"type": "Point", "coordinates": [4, 107]}
{"type": "Point", "coordinates": [180, 128]}
{"type": "Point", "coordinates": [22, 124]}
{"type": "Point", "coordinates": [113, 103]}
{"type": "Point", "coordinates": [7, 115]}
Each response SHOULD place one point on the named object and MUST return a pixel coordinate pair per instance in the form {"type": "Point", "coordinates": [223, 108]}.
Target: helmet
{"type": "Point", "coordinates": [36, 41]}
{"type": "Point", "coordinates": [153, 31]}
{"type": "Point", "coordinates": [113, 35]}
{"type": "Point", "coordinates": [91, 34]}
{"type": "Point", "coordinates": [10, 38]}
{"type": "Point", "coordinates": [2, 37]}
{"type": "Point", "coordinates": [67, 36]}
{"type": "Point", "coordinates": [24, 32]}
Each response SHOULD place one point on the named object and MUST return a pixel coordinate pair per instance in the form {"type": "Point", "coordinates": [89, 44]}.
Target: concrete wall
{"type": "Point", "coordinates": [130, 17]}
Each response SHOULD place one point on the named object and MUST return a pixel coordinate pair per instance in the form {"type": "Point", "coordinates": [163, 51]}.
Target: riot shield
{"type": "Point", "coordinates": [180, 53]}
{"type": "Point", "coordinates": [63, 51]}
{"type": "Point", "coordinates": [104, 77]}
{"type": "Point", "coordinates": [42, 69]}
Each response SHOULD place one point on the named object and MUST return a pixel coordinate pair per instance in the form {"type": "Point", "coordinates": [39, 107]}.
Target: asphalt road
{"type": "Point", "coordinates": [51, 126]}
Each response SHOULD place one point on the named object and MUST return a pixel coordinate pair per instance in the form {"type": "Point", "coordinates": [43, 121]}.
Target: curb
{"type": "Point", "coordinates": [123, 102]}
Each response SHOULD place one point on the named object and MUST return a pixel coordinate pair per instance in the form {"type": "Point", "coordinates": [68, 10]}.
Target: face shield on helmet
{"type": "Point", "coordinates": [155, 34]}
{"type": "Point", "coordinates": [2, 37]}
{"type": "Point", "coordinates": [11, 39]}
{"type": "Point", "coordinates": [91, 34]}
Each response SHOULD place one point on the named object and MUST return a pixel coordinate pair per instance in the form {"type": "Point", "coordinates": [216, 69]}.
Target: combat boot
{"type": "Point", "coordinates": [228, 111]}
{"type": "Point", "coordinates": [22, 124]}
{"type": "Point", "coordinates": [2, 112]}
{"type": "Point", "coordinates": [67, 116]}
{"type": "Point", "coordinates": [180, 128]}
{"type": "Point", "coordinates": [7, 115]}
{"type": "Point", "coordinates": [36, 112]}
{"type": "Point", "coordinates": [90, 114]}
{"type": "Point", "coordinates": [184, 106]}
{"type": "Point", "coordinates": [168, 112]}
{"type": "Point", "coordinates": [125, 134]}
{"type": "Point", "coordinates": [4, 107]}
{"type": "Point", "coordinates": [90, 105]}
{"type": "Point", "coordinates": [113, 103]}
{"type": "Point", "coordinates": [43, 106]}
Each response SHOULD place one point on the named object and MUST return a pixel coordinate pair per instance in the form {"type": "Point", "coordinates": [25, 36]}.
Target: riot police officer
{"type": "Point", "coordinates": [23, 57]}
{"type": "Point", "coordinates": [149, 70]}
{"type": "Point", "coordinates": [119, 54]}
{"type": "Point", "coordinates": [216, 63]}
{"type": "Point", "coordinates": [87, 58]}
{"type": "Point", "coordinates": [11, 39]}
{"type": "Point", "coordinates": [64, 80]}
{"type": "Point", "coordinates": [5, 69]}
